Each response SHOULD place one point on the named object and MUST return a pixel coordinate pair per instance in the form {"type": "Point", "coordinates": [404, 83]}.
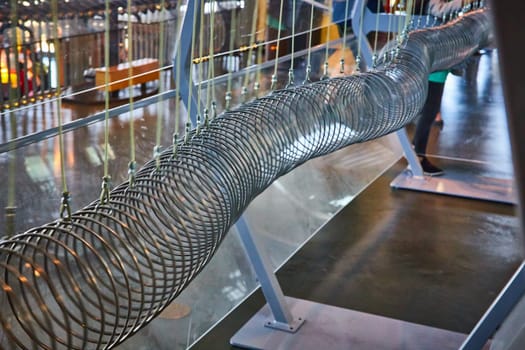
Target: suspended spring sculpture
{"type": "Point", "coordinates": [92, 281]}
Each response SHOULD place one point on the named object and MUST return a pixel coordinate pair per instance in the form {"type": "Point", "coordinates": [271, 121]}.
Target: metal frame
{"type": "Point", "coordinates": [499, 190]}
{"type": "Point", "coordinates": [275, 327]}
{"type": "Point", "coordinates": [26, 140]}
{"type": "Point", "coordinates": [282, 318]}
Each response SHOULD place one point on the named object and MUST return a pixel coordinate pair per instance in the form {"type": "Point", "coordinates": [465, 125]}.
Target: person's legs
{"type": "Point", "coordinates": [430, 109]}
{"type": "Point", "coordinates": [428, 113]}
{"type": "Point", "coordinates": [438, 121]}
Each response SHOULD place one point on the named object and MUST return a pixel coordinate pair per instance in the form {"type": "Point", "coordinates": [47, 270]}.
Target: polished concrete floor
{"type": "Point", "coordinates": [428, 259]}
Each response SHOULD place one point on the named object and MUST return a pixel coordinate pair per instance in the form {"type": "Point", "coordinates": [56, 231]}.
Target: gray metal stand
{"type": "Point", "coordinates": [458, 184]}
{"type": "Point", "coordinates": [281, 318]}
{"type": "Point", "coordinates": [453, 184]}
{"type": "Point", "coordinates": [322, 326]}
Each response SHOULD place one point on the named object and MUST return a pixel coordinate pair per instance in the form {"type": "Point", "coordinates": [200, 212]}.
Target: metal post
{"type": "Point", "coordinates": [410, 154]}
{"type": "Point", "coordinates": [282, 317]}
{"type": "Point", "coordinates": [184, 41]}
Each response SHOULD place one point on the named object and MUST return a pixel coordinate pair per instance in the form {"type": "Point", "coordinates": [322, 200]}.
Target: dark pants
{"type": "Point", "coordinates": [428, 114]}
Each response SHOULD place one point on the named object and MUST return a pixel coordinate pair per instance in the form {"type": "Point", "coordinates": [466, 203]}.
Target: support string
{"type": "Point", "coordinates": [105, 187]}
{"type": "Point", "coordinates": [274, 75]}
{"type": "Point", "coordinates": [345, 26]}
{"type": "Point", "coordinates": [358, 57]}
{"type": "Point", "coordinates": [210, 89]}
{"type": "Point", "coordinates": [325, 65]}
{"type": "Point", "coordinates": [290, 71]}
{"type": "Point", "coordinates": [10, 209]}
{"type": "Point", "coordinates": [374, 57]}
{"type": "Point", "coordinates": [160, 108]}
{"type": "Point", "coordinates": [65, 207]}
{"type": "Point", "coordinates": [250, 50]}
{"type": "Point", "coordinates": [309, 55]}
{"type": "Point", "coordinates": [233, 27]}
{"type": "Point", "coordinates": [132, 166]}
{"type": "Point", "coordinates": [390, 34]}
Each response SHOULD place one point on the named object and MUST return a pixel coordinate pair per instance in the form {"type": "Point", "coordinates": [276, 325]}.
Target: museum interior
{"type": "Point", "coordinates": [261, 174]}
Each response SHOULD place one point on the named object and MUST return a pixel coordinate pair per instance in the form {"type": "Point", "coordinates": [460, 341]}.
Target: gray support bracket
{"type": "Point", "coordinates": [282, 317]}
{"type": "Point", "coordinates": [410, 154]}
{"type": "Point", "coordinates": [365, 21]}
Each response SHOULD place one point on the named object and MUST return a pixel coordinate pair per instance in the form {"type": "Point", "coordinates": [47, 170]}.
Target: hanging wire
{"type": "Point", "coordinates": [160, 105]}
{"type": "Point", "coordinates": [290, 71]}
{"type": "Point", "coordinates": [105, 187]}
{"type": "Point", "coordinates": [13, 98]}
{"type": "Point", "coordinates": [252, 44]}
{"type": "Point", "coordinates": [358, 57]}
{"type": "Point", "coordinates": [342, 60]}
{"type": "Point", "coordinates": [257, 84]}
{"type": "Point", "coordinates": [325, 65]}
{"type": "Point", "coordinates": [390, 34]}
{"type": "Point", "coordinates": [230, 65]}
{"type": "Point", "coordinates": [278, 45]}
{"type": "Point", "coordinates": [65, 204]}
{"type": "Point", "coordinates": [309, 55]}
{"type": "Point", "coordinates": [132, 165]}
{"type": "Point", "coordinates": [408, 20]}
{"type": "Point", "coordinates": [421, 7]}
{"type": "Point", "coordinates": [199, 66]}
{"type": "Point", "coordinates": [374, 56]}
{"type": "Point", "coordinates": [10, 209]}
{"type": "Point", "coordinates": [177, 81]}
{"type": "Point", "coordinates": [210, 88]}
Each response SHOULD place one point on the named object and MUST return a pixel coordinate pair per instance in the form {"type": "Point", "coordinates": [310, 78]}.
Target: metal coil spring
{"type": "Point", "coordinates": [92, 281]}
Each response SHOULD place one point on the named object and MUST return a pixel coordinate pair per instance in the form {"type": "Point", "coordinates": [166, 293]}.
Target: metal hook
{"type": "Point", "coordinates": [65, 207]}
{"type": "Point", "coordinates": [104, 194]}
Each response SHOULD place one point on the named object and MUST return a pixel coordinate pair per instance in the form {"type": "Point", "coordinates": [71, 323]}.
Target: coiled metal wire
{"type": "Point", "coordinates": [92, 281]}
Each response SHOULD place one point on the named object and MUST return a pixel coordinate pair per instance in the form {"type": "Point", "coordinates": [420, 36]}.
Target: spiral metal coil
{"type": "Point", "coordinates": [92, 281]}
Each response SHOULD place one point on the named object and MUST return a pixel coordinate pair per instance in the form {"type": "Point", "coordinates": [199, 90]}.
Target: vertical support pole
{"type": "Point", "coordinates": [283, 319]}
{"type": "Point", "coordinates": [409, 152]}
{"type": "Point", "coordinates": [184, 41]}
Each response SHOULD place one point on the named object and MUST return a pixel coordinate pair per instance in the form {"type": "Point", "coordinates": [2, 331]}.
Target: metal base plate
{"type": "Point", "coordinates": [460, 185]}
{"type": "Point", "coordinates": [333, 328]}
